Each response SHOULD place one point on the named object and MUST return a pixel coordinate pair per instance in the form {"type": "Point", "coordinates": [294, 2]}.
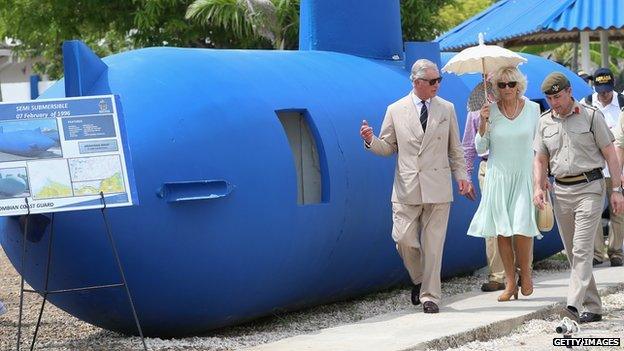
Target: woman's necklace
{"type": "Point", "coordinates": [513, 115]}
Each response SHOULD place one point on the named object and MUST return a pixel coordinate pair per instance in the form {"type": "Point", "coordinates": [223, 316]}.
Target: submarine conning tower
{"type": "Point", "coordinates": [366, 28]}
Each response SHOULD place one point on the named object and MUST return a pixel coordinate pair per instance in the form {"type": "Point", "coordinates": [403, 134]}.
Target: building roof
{"type": "Point", "coordinates": [525, 22]}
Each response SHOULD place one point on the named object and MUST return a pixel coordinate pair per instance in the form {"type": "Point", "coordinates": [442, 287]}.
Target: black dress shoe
{"type": "Point", "coordinates": [596, 262]}
{"type": "Point", "coordinates": [588, 317]}
{"type": "Point", "coordinates": [616, 261]}
{"type": "Point", "coordinates": [570, 312]}
{"type": "Point", "coordinates": [430, 307]}
{"type": "Point", "coordinates": [492, 286]}
{"type": "Point", "coordinates": [416, 294]}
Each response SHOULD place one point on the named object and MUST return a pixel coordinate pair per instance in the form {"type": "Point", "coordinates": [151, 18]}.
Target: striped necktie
{"type": "Point", "coordinates": [424, 114]}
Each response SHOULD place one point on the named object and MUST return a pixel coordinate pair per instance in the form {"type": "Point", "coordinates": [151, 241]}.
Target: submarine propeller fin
{"type": "Point", "coordinates": [82, 68]}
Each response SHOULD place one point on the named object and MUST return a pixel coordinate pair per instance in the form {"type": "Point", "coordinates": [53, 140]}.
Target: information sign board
{"type": "Point", "coordinates": [61, 154]}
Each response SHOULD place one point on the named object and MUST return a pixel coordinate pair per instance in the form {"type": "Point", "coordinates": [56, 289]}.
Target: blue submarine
{"type": "Point", "coordinates": [27, 143]}
{"type": "Point", "coordinates": [256, 195]}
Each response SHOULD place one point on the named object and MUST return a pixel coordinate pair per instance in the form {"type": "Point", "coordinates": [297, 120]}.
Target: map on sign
{"type": "Point", "coordinates": [92, 175]}
{"type": "Point", "coordinates": [63, 155]}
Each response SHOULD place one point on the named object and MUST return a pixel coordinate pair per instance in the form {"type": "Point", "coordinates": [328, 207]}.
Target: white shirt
{"type": "Point", "coordinates": [418, 103]}
{"type": "Point", "coordinates": [611, 113]}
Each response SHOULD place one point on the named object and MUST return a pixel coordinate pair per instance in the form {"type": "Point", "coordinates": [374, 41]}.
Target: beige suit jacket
{"type": "Point", "coordinates": [425, 160]}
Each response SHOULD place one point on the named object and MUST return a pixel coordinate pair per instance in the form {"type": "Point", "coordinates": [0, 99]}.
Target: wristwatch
{"type": "Point", "coordinates": [617, 189]}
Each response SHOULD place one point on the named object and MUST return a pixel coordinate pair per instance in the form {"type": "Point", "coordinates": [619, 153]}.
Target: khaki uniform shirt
{"type": "Point", "coordinates": [618, 131]}
{"type": "Point", "coordinates": [573, 142]}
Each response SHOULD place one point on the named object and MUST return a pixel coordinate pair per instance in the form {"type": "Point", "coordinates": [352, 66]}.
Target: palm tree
{"type": "Point", "coordinates": [563, 53]}
{"type": "Point", "coordinates": [276, 21]}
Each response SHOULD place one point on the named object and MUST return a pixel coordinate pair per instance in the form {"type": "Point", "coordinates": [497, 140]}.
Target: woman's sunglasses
{"type": "Point", "coordinates": [432, 81]}
{"type": "Point", "coordinates": [502, 85]}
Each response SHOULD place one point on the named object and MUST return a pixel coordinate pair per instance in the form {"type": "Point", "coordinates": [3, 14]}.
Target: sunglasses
{"type": "Point", "coordinates": [432, 81]}
{"type": "Point", "coordinates": [502, 85]}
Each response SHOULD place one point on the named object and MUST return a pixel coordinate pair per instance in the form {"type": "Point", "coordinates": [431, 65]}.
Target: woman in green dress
{"type": "Point", "coordinates": [506, 210]}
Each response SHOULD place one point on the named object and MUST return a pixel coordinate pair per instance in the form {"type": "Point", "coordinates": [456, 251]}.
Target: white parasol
{"type": "Point", "coordinates": [482, 59]}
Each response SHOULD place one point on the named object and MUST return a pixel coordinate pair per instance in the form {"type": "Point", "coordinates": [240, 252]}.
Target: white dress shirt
{"type": "Point", "coordinates": [611, 113]}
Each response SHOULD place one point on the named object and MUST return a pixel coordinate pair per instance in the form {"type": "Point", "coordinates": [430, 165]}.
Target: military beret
{"type": "Point", "coordinates": [554, 83]}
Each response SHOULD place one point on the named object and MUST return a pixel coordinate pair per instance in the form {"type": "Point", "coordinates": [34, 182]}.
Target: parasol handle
{"type": "Point", "coordinates": [484, 81]}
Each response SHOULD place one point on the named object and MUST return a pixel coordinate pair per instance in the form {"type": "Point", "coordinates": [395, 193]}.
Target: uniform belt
{"type": "Point", "coordinates": [584, 177]}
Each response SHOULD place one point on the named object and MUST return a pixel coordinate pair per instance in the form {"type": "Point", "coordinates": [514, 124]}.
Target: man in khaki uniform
{"type": "Point", "coordinates": [574, 140]}
{"type": "Point", "coordinates": [422, 128]}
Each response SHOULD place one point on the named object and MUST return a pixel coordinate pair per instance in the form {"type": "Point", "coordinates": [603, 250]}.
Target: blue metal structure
{"type": "Point", "coordinates": [508, 19]}
{"type": "Point", "coordinates": [219, 237]}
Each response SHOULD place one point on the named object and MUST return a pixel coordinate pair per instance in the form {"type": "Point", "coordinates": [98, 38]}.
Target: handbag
{"type": "Point", "coordinates": [545, 217]}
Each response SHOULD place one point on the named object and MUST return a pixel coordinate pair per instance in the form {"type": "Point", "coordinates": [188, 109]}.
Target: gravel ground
{"type": "Point", "coordinates": [60, 331]}
{"type": "Point", "coordinates": [538, 334]}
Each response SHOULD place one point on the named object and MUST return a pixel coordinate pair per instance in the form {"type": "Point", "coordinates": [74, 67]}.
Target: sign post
{"type": "Point", "coordinates": [64, 155]}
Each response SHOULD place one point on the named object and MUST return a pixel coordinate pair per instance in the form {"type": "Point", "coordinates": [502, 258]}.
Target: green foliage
{"type": "Point", "coordinates": [227, 14]}
{"type": "Point", "coordinates": [107, 26]}
{"type": "Point", "coordinates": [110, 26]}
{"type": "Point", "coordinates": [41, 26]}
{"type": "Point", "coordinates": [563, 53]}
{"type": "Point", "coordinates": [457, 12]}
{"type": "Point", "coordinates": [252, 22]}
{"type": "Point", "coordinates": [420, 20]}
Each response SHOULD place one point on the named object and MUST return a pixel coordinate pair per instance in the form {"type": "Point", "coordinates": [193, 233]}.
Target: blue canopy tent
{"type": "Point", "coordinates": [514, 23]}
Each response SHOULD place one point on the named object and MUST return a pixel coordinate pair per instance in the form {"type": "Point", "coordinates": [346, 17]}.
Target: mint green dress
{"type": "Point", "coordinates": [506, 206]}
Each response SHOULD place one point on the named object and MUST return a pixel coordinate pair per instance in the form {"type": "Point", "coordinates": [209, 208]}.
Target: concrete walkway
{"type": "Point", "coordinates": [462, 319]}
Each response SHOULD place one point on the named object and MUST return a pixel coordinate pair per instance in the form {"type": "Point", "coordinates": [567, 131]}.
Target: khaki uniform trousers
{"type": "Point", "coordinates": [494, 260]}
{"type": "Point", "coordinates": [616, 233]}
{"type": "Point", "coordinates": [577, 210]}
{"type": "Point", "coordinates": [419, 232]}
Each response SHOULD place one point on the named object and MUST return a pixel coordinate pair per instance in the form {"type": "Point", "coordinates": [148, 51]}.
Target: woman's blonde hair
{"type": "Point", "coordinates": [509, 74]}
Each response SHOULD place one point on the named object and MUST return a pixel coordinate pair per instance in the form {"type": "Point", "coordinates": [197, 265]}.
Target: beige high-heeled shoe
{"type": "Point", "coordinates": [507, 294]}
{"type": "Point", "coordinates": [526, 286]}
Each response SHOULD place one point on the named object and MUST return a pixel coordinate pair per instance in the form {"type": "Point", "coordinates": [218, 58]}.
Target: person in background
{"type": "Point", "coordinates": [496, 270]}
{"type": "Point", "coordinates": [609, 102]}
{"type": "Point", "coordinates": [505, 212]}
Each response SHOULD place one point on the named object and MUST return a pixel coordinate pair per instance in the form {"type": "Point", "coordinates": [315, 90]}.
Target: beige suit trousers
{"type": "Point", "coordinates": [616, 233]}
{"type": "Point", "coordinates": [577, 210]}
{"type": "Point", "coordinates": [419, 232]}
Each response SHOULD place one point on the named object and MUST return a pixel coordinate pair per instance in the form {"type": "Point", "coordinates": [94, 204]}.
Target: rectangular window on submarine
{"type": "Point", "coordinates": [305, 156]}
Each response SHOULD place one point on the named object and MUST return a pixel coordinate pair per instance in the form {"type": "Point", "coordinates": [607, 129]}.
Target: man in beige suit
{"type": "Point", "coordinates": [422, 128]}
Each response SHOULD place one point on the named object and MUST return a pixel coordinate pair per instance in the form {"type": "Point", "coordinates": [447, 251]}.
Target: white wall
{"type": "Point", "coordinates": [15, 78]}
{"type": "Point", "coordinates": [12, 92]}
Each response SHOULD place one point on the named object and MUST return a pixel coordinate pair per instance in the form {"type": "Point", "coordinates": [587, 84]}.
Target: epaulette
{"type": "Point", "coordinates": [545, 113]}
{"type": "Point", "coordinates": [589, 107]}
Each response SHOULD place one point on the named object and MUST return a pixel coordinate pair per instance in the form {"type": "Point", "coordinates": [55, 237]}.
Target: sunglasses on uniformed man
{"type": "Point", "coordinates": [432, 81]}
{"type": "Point", "coordinates": [502, 85]}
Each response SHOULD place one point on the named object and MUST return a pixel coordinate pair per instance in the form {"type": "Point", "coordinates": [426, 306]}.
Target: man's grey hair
{"type": "Point", "coordinates": [420, 67]}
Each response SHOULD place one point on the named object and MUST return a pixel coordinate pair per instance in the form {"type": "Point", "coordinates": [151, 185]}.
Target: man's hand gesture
{"type": "Point", "coordinates": [366, 132]}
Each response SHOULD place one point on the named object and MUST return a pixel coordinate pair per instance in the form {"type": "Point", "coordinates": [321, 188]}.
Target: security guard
{"type": "Point", "coordinates": [574, 140]}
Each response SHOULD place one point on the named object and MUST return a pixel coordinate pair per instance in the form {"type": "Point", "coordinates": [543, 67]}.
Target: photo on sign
{"type": "Point", "coordinates": [49, 179]}
{"type": "Point", "coordinates": [92, 175]}
{"type": "Point", "coordinates": [14, 183]}
{"type": "Point", "coordinates": [29, 139]}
